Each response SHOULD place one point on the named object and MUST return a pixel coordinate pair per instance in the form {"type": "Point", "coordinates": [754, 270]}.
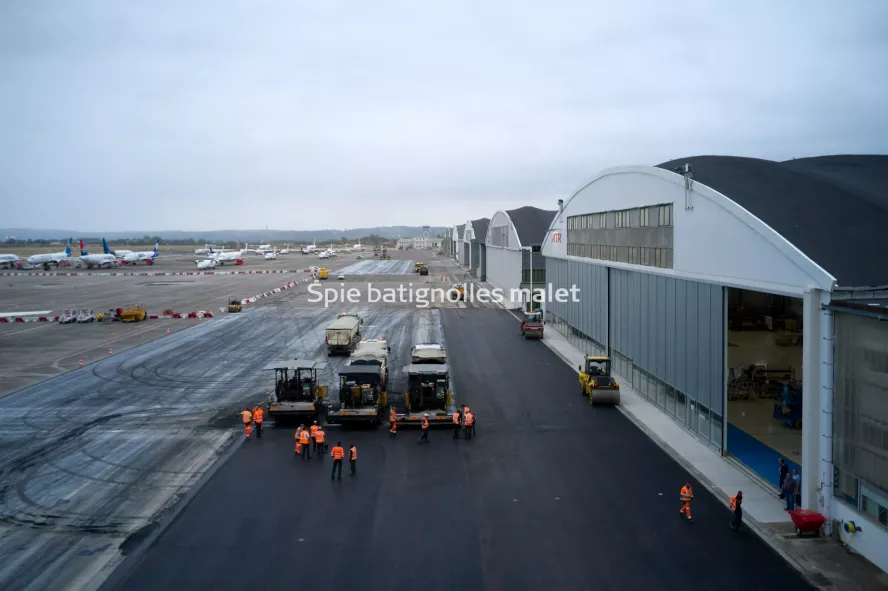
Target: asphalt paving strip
{"type": "Point", "coordinates": [551, 492]}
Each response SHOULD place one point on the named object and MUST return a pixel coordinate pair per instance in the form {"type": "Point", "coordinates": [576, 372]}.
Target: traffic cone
{"type": "Point", "coordinates": [168, 331]}
{"type": "Point", "coordinates": [110, 352]}
{"type": "Point", "coordinates": [81, 362]}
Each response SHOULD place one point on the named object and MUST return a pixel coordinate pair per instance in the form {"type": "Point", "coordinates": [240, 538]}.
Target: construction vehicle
{"type": "Point", "coordinates": [343, 334]}
{"type": "Point", "coordinates": [372, 352]}
{"type": "Point", "coordinates": [86, 315]}
{"type": "Point", "coordinates": [362, 396]}
{"type": "Point", "coordinates": [428, 354]}
{"type": "Point", "coordinates": [460, 290]}
{"type": "Point", "coordinates": [417, 266]}
{"type": "Point", "coordinates": [596, 382]}
{"type": "Point", "coordinates": [68, 316]}
{"type": "Point", "coordinates": [297, 394]}
{"type": "Point", "coordinates": [234, 305]}
{"type": "Point", "coordinates": [532, 325]}
{"type": "Point", "coordinates": [323, 274]}
{"type": "Point", "coordinates": [423, 270]}
{"type": "Point", "coordinates": [428, 386]}
{"type": "Point", "coordinates": [133, 313]}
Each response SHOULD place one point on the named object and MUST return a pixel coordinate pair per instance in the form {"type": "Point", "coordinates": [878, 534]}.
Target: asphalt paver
{"type": "Point", "coordinates": [551, 493]}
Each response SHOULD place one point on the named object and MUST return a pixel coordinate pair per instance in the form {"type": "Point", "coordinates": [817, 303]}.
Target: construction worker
{"type": "Point", "coordinates": [338, 453]}
{"type": "Point", "coordinates": [393, 421]}
{"type": "Point", "coordinates": [299, 439]}
{"type": "Point", "coordinates": [353, 458]}
{"type": "Point", "coordinates": [457, 423]}
{"type": "Point", "coordinates": [305, 440]}
{"type": "Point", "coordinates": [257, 420]}
{"type": "Point", "coordinates": [247, 418]}
{"type": "Point", "coordinates": [473, 421]}
{"type": "Point", "coordinates": [425, 428]}
{"type": "Point", "coordinates": [319, 438]}
{"type": "Point", "coordinates": [736, 507]}
{"type": "Point", "coordinates": [687, 494]}
{"type": "Point", "coordinates": [314, 429]}
{"type": "Point", "coordinates": [469, 422]}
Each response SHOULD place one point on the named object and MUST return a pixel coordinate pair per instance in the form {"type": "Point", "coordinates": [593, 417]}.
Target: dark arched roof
{"type": "Point", "coordinates": [531, 224]}
{"type": "Point", "coordinates": [479, 227]}
{"type": "Point", "coordinates": [461, 231]}
{"type": "Point", "coordinates": [832, 208]}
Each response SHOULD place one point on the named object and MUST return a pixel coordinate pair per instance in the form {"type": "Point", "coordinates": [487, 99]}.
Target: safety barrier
{"type": "Point", "coordinates": [276, 290]}
{"type": "Point", "coordinates": [145, 273]}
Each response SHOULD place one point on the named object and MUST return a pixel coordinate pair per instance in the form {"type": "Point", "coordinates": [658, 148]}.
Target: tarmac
{"type": "Point", "coordinates": [551, 492]}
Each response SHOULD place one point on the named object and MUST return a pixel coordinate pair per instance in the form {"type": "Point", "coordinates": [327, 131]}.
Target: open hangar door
{"type": "Point", "coordinates": [764, 373]}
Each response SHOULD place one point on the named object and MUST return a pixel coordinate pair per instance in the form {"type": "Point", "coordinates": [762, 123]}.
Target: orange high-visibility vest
{"type": "Point", "coordinates": [425, 423]}
{"type": "Point", "coordinates": [686, 494]}
{"type": "Point", "coordinates": [470, 418]}
{"type": "Point", "coordinates": [257, 415]}
{"type": "Point", "coordinates": [734, 503]}
{"type": "Point", "coordinates": [247, 416]}
{"type": "Point", "coordinates": [304, 440]}
{"type": "Point", "coordinates": [314, 429]}
{"type": "Point", "coordinates": [393, 416]}
{"type": "Point", "coordinates": [337, 452]}
{"type": "Point", "coordinates": [319, 436]}
{"type": "Point", "coordinates": [456, 418]}
{"type": "Point", "coordinates": [354, 452]}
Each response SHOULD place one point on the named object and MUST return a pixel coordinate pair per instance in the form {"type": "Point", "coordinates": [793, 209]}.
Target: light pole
{"type": "Point", "coordinates": [529, 249]}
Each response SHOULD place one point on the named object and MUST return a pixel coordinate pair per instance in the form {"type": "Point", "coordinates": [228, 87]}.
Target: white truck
{"type": "Point", "coordinates": [344, 333]}
{"type": "Point", "coordinates": [372, 352]}
{"type": "Point", "coordinates": [432, 353]}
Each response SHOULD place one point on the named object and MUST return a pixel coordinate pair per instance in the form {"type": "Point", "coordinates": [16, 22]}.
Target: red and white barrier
{"type": "Point", "coordinates": [274, 291]}
{"type": "Point", "coordinates": [6, 319]}
{"type": "Point", "coordinates": [145, 273]}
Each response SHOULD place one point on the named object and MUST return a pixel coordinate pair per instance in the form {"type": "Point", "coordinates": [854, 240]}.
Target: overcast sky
{"type": "Point", "coordinates": [169, 115]}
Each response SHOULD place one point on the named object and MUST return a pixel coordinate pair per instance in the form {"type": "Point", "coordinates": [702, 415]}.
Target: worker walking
{"type": "Point", "coordinates": [353, 459]}
{"type": "Point", "coordinates": [474, 420]}
{"type": "Point", "coordinates": [305, 440]}
{"type": "Point", "coordinates": [736, 507]}
{"type": "Point", "coordinates": [425, 428]}
{"type": "Point", "coordinates": [393, 421]}
{"type": "Point", "coordinates": [247, 418]}
{"type": "Point", "coordinates": [469, 422]}
{"type": "Point", "coordinates": [298, 437]}
{"type": "Point", "coordinates": [314, 429]}
{"type": "Point", "coordinates": [257, 420]}
{"type": "Point", "coordinates": [457, 424]}
{"type": "Point", "coordinates": [687, 494]}
{"type": "Point", "coordinates": [338, 453]}
{"type": "Point", "coordinates": [319, 438]}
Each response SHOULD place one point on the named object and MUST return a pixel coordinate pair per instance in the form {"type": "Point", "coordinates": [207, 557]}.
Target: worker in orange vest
{"type": "Point", "coordinates": [474, 420]}
{"type": "Point", "coordinates": [687, 494]}
{"type": "Point", "coordinates": [314, 429]}
{"type": "Point", "coordinates": [247, 418]}
{"type": "Point", "coordinates": [338, 453]}
{"type": "Point", "coordinates": [393, 421]}
{"type": "Point", "coordinates": [457, 423]}
{"type": "Point", "coordinates": [469, 423]}
{"type": "Point", "coordinates": [257, 420]}
{"type": "Point", "coordinates": [305, 440]}
{"type": "Point", "coordinates": [425, 428]}
{"type": "Point", "coordinates": [319, 438]}
{"type": "Point", "coordinates": [299, 439]}
{"type": "Point", "coordinates": [353, 458]}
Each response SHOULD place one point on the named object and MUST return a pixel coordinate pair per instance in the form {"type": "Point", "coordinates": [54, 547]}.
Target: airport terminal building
{"type": "Point", "coordinates": [746, 299]}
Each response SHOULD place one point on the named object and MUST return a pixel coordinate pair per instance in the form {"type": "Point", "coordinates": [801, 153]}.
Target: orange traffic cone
{"type": "Point", "coordinates": [110, 352]}
{"type": "Point", "coordinates": [168, 331]}
{"type": "Point", "coordinates": [81, 362]}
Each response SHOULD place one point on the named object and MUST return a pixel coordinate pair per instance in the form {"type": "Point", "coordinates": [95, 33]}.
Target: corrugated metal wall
{"type": "Point", "coordinates": [589, 316]}
{"type": "Point", "coordinates": [483, 268]}
{"type": "Point", "coordinates": [476, 256]}
{"type": "Point", "coordinates": [464, 255]}
{"type": "Point", "coordinates": [673, 329]}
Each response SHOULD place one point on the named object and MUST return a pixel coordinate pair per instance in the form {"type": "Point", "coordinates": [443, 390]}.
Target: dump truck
{"type": "Point", "coordinates": [532, 325]}
{"type": "Point", "coordinates": [133, 313]}
{"type": "Point", "coordinates": [432, 354]}
{"type": "Point", "coordinates": [297, 394]}
{"type": "Point", "coordinates": [596, 382]}
{"type": "Point", "coordinates": [343, 334]}
{"type": "Point", "coordinates": [362, 396]}
{"type": "Point", "coordinates": [372, 352]}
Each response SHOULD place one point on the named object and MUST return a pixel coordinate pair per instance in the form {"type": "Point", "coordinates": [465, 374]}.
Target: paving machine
{"type": "Point", "coordinates": [532, 325]}
{"type": "Point", "coordinates": [428, 392]}
{"type": "Point", "coordinates": [596, 382]}
{"type": "Point", "coordinates": [234, 305]}
{"type": "Point", "coordinates": [133, 313]}
{"type": "Point", "coordinates": [362, 398]}
{"type": "Point", "coordinates": [297, 394]}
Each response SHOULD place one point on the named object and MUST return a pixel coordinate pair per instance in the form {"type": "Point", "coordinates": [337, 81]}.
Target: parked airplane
{"type": "Point", "coordinates": [118, 253]}
{"type": "Point", "coordinates": [204, 250]}
{"type": "Point", "coordinates": [285, 250]}
{"type": "Point", "coordinates": [8, 261]}
{"type": "Point", "coordinates": [311, 248]}
{"type": "Point", "coordinates": [357, 247]}
{"type": "Point", "coordinates": [96, 260]}
{"type": "Point", "coordinates": [51, 258]}
{"type": "Point", "coordinates": [271, 256]}
{"type": "Point", "coordinates": [235, 257]}
{"type": "Point", "coordinates": [206, 264]}
{"type": "Point", "coordinates": [145, 256]}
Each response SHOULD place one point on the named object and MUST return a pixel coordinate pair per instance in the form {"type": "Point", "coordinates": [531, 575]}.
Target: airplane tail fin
{"type": "Point", "coordinates": [83, 251]}
{"type": "Point", "coordinates": [106, 248]}
{"type": "Point", "coordinates": [68, 247]}
{"type": "Point", "coordinates": [156, 246]}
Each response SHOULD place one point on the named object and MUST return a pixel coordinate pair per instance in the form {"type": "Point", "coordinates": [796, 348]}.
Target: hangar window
{"type": "Point", "coordinates": [665, 214]}
{"type": "Point", "coordinates": [644, 217]}
{"type": "Point", "coordinates": [598, 221]}
{"type": "Point", "coordinates": [621, 219]}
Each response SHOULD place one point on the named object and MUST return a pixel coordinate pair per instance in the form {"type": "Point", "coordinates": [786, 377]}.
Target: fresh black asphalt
{"type": "Point", "coordinates": [552, 494]}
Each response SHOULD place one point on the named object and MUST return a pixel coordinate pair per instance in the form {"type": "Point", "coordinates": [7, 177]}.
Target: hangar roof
{"type": "Point", "coordinates": [479, 227]}
{"type": "Point", "coordinates": [832, 208]}
{"type": "Point", "coordinates": [531, 224]}
{"type": "Point", "coordinates": [461, 232]}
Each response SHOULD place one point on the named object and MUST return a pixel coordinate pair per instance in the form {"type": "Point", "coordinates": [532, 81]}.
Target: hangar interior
{"type": "Point", "coordinates": [764, 380]}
